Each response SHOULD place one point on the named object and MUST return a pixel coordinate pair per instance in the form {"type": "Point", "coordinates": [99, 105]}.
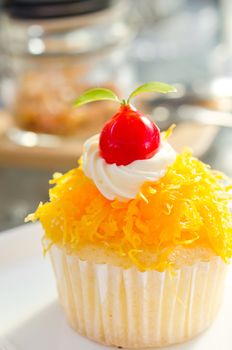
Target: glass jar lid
{"type": "Point", "coordinates": [41, 9]}
{"type": "Point", "coordinates": [75, 35]}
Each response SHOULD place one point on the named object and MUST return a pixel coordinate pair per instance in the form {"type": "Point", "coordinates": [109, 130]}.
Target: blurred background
{"type": "Point", "coordinates": [53, 50]}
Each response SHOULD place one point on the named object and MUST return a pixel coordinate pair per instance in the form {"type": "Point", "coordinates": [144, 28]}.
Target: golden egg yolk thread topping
{"type": "Point", "coordinates": [188, 207]}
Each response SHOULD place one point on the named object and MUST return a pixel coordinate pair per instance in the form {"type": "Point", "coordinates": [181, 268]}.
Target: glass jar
{"type": "Point", "coordinates": [51, 57]}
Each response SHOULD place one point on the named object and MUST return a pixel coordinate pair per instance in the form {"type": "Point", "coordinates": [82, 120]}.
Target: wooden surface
{"type": "Point", "coordinates": [66, 153]}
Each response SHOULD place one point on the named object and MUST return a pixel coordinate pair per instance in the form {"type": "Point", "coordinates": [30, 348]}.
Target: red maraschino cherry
{"type": "Point", "coordinates": [128, 136]}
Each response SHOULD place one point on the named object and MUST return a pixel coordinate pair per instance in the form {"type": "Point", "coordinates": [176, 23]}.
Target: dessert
{"type": "Point", "coordinates": [44, 98]}
{"type": "Point", "coordinates": [139, 236]}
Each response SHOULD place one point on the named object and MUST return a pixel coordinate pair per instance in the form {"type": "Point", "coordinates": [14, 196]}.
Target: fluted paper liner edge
{"type": "Point", "coordinates": [129, 308]}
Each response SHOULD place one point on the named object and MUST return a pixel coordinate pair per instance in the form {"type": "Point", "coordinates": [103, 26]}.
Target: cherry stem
{"type": "Point", "coordinates": [124, 102]}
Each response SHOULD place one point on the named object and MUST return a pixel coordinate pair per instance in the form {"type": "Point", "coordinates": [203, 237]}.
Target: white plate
{"type": "Point", "coordinates": [30, 317]}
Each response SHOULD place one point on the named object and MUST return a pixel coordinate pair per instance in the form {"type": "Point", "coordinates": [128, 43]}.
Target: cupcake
{"type": "Point", "coordinates": [139, 236]}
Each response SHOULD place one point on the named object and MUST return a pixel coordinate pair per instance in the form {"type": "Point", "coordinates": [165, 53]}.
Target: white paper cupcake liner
{"type": "Point", "coordinates": [129, 308]}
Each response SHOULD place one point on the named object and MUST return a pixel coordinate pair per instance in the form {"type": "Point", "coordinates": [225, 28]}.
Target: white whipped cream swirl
{"type": "Point", "coordinates": [124, 181]}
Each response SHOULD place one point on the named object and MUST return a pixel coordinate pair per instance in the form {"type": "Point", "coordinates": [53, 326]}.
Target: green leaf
{"type": "Point", "coordinates": [96, 94]}
{"type": "Point", "coordinates": [153, 86]}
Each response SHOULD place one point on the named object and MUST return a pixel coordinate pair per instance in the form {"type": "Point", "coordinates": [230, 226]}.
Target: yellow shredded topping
{"type": "Point", "coordinates": [188, 207]}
